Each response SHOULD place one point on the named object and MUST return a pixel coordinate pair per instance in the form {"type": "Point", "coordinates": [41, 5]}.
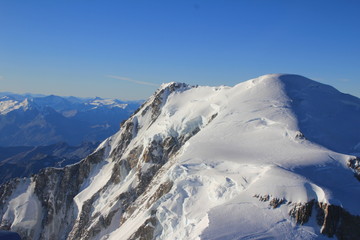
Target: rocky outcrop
{"type": "Point", "coordinates": [273, 201]}
{"type": "Point", "coordinates": [332, 220]}
{"type": "Point", "coordinates": [159, 99]}
{"type": "Point", "coordinates": [6, 191]}
{"type": "Point", "coordinates": [336, 221]}
{"type": "Point", "coordinates": [301, 212]}
{"type": "Point", "coordinates": [300, 136]}
{"type": "Point", "coordinates": [354, 163]}
{"type": "Point", "coordinates": [145, 231]}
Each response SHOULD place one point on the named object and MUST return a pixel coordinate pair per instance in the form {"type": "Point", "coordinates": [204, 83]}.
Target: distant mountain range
{"type": "Point", "coordinates": [36, 120]}
{"type": "Point", "coordinates": [38, 131]}
{"type": "Point", "coordinates": [25, 161]}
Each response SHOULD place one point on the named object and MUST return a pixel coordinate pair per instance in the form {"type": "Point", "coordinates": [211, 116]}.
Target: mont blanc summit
{"type": "Point", "coordinates": [275, 157]}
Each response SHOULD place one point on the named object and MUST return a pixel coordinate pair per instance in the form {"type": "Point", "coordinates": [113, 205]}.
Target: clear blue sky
{"type": "Point", "coordinates": [115, 48]}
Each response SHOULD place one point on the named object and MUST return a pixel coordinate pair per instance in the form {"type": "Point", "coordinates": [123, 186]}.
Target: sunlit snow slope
{"type": "Point", "coordinates": [270, 158]}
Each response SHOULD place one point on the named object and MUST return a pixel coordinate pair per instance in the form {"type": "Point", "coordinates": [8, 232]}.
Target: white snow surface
{"type": "Point", "coordinates": [24, 211]}
{"type": "Point", "coordinates": [247, 145]}
{"type": "Point", "coordinates": [250, 148]}
{"type": "Point", "coordinates": [109, 102]}
{"type": "Point", "coordinates": [7, 105]}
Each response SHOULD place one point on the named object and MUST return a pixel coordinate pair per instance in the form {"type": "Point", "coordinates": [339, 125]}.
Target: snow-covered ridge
{"type": "Point", "coordinates": [260, 160]}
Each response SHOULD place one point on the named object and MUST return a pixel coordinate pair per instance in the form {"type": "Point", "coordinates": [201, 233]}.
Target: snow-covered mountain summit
{"type": "Point", "coordinates": [270, 158]}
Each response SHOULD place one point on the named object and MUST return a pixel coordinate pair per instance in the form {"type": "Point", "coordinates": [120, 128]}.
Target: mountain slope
{"type": "Point", "coordinates": [27, 120]}
{"type": "Point", "coordinates": [243, 162]}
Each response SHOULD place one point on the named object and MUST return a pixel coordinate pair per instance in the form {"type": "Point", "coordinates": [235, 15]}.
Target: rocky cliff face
{"type": "Point", "coordinates": [197, 163]}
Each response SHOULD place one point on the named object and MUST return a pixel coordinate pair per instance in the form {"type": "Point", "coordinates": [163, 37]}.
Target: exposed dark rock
{"type": "Point", "coordinates": [276, 202]}
{"type": "Point", "coordinates": [160, 99]}
{"type": "Point", "coordinates": [299, 135]}
{"type": "Point", "coordinates": [134, 155]}
{"type": "Point", "coordinates": [186, 137]}
{"type": "Point", "coordinates": [6, 190]}
{"type": "Point", "coordinates": [337, 221]}
{"type": "Point", "coordinates": [146, 177]}
{"type": "Point", "coordinates": [127, 198]}
{"type": "Point", "coordinates": [120, 171]}
{"type": "Point", "coordinates": [354, 163]}
{"type": "Point", "coordinates": [145, 231]}
{"type": "Point", "coordinates": [301, 212]}
{"type": "Point", "coordinates": [89, 224]}
{"type": "Point", "coordinates": [126, 136]}
{"type": "Point", "coordinates": [154, 153]}
{"type": "Point", "coordinates": [161, 191]}
{"type": "Point", "coordinates": [79, 231]}
{"type": "Point", "coordinates": [264, 198]}
{"type": "Point", "coordinates": [212, 117]}
{"type": "Point", "coordinates": [329, 218]}
{"type": "Point", "coordinates": [349, 226]}
{"type": "Point", "coordinates": [333, 220]}
{"type": "Point", "coordinates": [171, 145]}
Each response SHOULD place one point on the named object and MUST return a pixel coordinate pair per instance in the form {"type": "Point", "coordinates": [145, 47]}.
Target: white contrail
{"type": "Point", "coordinates": [133, 81]}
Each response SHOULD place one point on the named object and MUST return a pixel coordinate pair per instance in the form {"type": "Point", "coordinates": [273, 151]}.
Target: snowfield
{"type": "Point", "coordinates": [251, 159]}
{"type": "Point", "coordinates": [249, 149]}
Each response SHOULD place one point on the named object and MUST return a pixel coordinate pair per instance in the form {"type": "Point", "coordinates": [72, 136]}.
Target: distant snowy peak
{"type": "Point", "coordinates": [7, 105]}
{"type": "Point", "coordinates": [109, 103]}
